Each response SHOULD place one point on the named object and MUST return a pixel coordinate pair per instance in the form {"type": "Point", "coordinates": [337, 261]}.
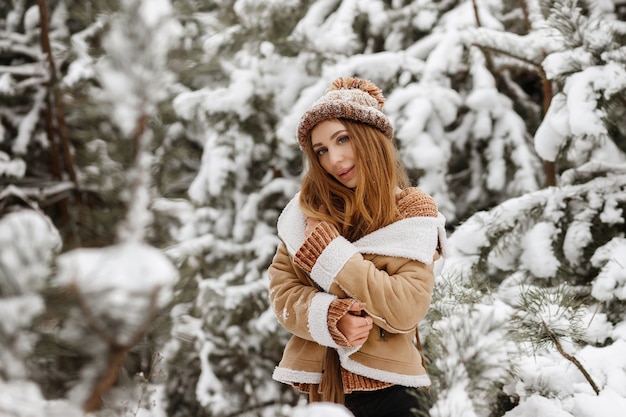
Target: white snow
{"type": "Point", "coordinates": [120, 285]}
{"type": "Point", "coordinates": [15, 168]}
{"type": "Point", "coordinates": [132, 67]}
{"type": "Point", "coordinates": [538, 254]}
{"type": "Point", "coordinates": [537, 405]}
{"type": "Point", "coordinates": [321, 410]}
{"type": "Point", "coordinates": [28, 123]}
{"type": "Point", "coordinates": [328, 26]}
{"type": "Point", "coordinates": [29, 242]}
{"type": "Point", "coordinates": [610, 282]}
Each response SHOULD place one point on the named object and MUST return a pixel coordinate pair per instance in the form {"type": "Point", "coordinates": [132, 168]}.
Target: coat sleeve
{"type": "Point", "coordinates": [301, 307]}
{"type": "Point", "coordinates": [397, 301]}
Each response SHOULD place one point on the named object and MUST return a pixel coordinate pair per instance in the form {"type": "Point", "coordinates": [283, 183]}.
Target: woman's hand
{"type": "Point", "coordinates": [356, 324]}
{"type": "Point", "coordinates": [310, 225]}
{"type": "Point", "coordinates": [312, 222]}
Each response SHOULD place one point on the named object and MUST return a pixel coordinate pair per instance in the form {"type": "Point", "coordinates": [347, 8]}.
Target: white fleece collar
{"type": "Point", "coordinates": [412, 238]}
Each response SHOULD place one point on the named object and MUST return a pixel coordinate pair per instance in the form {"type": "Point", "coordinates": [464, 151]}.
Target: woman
{"type": "Point", "coordinates": [353, 275]}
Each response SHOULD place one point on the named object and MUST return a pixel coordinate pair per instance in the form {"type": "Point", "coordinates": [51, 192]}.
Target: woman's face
{"type": "Point", "coordinates": [333, 148]}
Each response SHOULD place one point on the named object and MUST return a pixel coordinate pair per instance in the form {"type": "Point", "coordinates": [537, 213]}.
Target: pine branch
{"type": "Point", "coordinates": [511, 55]}
{"type": "Point", "coordinates": [569, 357]}
{"type": "Point", "coordinates": [134, 225]}
{"type": "Point", "coordinates": [549, 166]}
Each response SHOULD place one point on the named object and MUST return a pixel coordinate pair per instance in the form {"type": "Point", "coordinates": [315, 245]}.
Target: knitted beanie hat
{"type": "Point", "coordinates": [347, 98]}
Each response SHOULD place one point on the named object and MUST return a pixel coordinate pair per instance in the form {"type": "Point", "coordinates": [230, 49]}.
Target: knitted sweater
{"type": "Point", "coordinates": [311, 283]}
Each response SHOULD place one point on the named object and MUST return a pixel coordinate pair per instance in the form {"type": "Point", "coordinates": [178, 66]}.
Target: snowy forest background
{"type": "Point", "coordinates": [147, 148]}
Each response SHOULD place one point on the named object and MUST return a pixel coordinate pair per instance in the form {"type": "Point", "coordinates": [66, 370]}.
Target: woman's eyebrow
{"type": "Point", "coordinates": [334, 135]}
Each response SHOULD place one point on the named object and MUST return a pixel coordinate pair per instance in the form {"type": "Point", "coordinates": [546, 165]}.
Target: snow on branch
{"type": "Point", "coordinates": [29, 123]}
{"type": "Point", "coordinates": [575, 114]}
{"type": "Point", "coordinates": [135, 79]}
{"type": "Point", "coordinates": [15, 168]}
{"type": "Point", "coordinates": [496, 239]}
{"type": "Point", "coordinates": [134, 70]}
{"type": "Point", "coordinates": [120, 286]}
{"type": "Point", "coordinates": [24, 70]}
{"type": "Point", "coordinates": [29, 241]}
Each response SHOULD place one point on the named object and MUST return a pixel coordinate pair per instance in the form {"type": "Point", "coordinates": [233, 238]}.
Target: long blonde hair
{"type": "Point", "coordinates": [372, 203]}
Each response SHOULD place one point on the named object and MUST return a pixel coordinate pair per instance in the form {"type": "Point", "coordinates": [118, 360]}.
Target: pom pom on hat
{"type": "Point", "coordinates": [347, 98]}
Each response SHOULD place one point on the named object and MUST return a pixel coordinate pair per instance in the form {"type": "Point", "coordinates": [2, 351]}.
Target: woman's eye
{"type": "Point", "coordinates": [342, 139]}
{"type": "Point", "coordinates": [321, 152]}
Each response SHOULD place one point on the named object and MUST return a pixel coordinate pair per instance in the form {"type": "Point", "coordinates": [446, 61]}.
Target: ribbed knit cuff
{"type": "Point", "coordinates": [337, 309]}
{"type": "Point", "coordinates": [417, 204]}
{"type": "Point", "coordinates": [353, 382]}
{"type": "Point", "coordinates": [314, 245]}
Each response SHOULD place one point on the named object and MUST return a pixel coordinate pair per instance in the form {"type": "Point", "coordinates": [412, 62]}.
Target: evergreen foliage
{"type": "Point", "coordinates": [147, 148]}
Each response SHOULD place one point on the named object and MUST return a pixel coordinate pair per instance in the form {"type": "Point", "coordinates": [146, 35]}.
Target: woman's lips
{"type": "Point", "coordinates": [346, 174]}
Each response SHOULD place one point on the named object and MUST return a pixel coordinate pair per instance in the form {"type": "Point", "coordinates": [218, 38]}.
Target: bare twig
{"type": "Point", "coordinates": [524, 8]}
{"type": "Point", "coordinates": [91, 320]}
{"type": "Point", "coordinates": [145, 381]}
{"type": "Point", "coordinates": [569, 357]}
{"type": "Point", "coordinates": [549, 166]}
{"type": "Point", "coordinates": [117, 354]}
{"type": "Point", "coordinates": [56, 101]}
{"type": "Point", "coordinates": [55, 111]}
{"type": "Point", "coordinates": [488, 58]}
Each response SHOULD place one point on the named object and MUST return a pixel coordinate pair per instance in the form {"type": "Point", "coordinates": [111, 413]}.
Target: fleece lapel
{"type": "Point", "coordinates": [412, 238]}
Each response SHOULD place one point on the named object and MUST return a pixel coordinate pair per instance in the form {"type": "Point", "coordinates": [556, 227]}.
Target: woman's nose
{"type": "Point", "coordinates": [336, 156]}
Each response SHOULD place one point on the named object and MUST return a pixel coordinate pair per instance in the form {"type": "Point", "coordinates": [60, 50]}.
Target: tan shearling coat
{"type": "Point", "coordinates": [389, 270]}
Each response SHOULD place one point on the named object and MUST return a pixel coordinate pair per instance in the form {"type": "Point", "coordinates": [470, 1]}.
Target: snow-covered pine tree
{"type": "Point", "coordinates": [448, 99]}
{"type": "Point", "coordinates": [222, 325]}
{"type": "Point", "coordinates": [461, 135]}
{"type": "Point", "coordinates": [555, 257]}
{"type": "Point", "coordinates": [36, 159]}
{"type": "Point", "coordinates": [121, 288]}
{"type": "Point", "coordinates": [24, 275]}
{"type": "Point", "coordinates": [32, 176]}
{"type": "Point", "coordinates": [468, 348]}
{"type": "Point", "coordinates": [246, 71]}
{"type": "Point", "coordinates": [79, 314]}
{"type": "Point", "coordinates": [585, 120]}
